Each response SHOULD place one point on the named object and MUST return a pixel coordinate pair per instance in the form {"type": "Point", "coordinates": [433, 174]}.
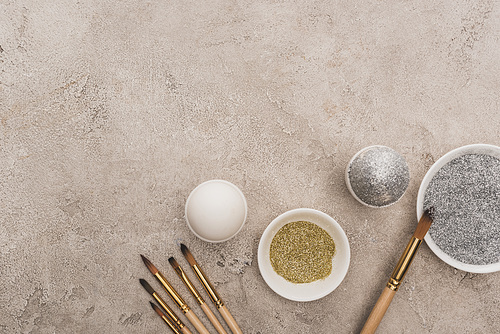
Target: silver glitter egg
{"type": "Point", "coordinates": [377, 176]}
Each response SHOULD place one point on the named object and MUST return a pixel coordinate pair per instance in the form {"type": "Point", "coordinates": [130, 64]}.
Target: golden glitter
{"type": "Point", "coordinates": [302, 252]}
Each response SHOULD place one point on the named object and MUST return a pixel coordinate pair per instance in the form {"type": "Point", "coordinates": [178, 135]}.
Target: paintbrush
{"type": "Point", "coordinates": [169, 322]}
{"type": "Point", "coordinates": [193, 319]}
{"type": "Point", "coordinates": [164, 305]}
{"type": "Point", "coordinates": [211, 291]}
{"type": "Point", "coordinates": [211, 316]}
{"type": "Point", "coordinates": [398, 274]}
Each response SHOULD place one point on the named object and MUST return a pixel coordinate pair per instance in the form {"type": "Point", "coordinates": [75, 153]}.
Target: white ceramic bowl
{"type": "Point", "coordinates": [491, 150]}
{"type": "Point", "coordinates": [390, 195]}
{"type": "Point", "coordinates": [306, 291]}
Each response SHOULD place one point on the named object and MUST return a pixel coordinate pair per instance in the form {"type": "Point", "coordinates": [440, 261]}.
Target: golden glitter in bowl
{"type": "Point", "coordinates": [303, 254]}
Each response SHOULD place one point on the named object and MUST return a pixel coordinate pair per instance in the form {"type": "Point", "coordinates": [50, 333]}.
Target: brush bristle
{"type": "Point", "coordinates": [148, 264]}
{"type": "Point", "coordinates": [424, 224]}
{"type": "Point", "coordinates": [173, 262]}
{"type": "Point", "coordinates": [184, 249]}
{"type": "Point", "coordinates": [187, 254]}
{"type": "Point", "coordinates": [157, 309]}
{"type": "Point", "coordinates": [146, 286]}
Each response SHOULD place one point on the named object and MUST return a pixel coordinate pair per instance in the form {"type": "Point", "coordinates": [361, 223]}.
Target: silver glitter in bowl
{"type": "Point", "coordinates": [466, 196]}
{"type": "Point", "coordinates": [377, 176]}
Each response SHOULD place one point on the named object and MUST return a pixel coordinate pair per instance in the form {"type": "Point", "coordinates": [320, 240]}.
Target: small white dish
{"type": "Point", "coordinates": [216, 210]}
{"type": "Point", "coordinates": [491, 150]}
{"type": "Point", "coordinates": [306, 291]}
{"type": "Point", "coordinates": [377, 176]}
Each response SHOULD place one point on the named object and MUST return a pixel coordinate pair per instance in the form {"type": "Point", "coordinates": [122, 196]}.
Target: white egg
{"type": "Point", "coordinates": [216, 210]}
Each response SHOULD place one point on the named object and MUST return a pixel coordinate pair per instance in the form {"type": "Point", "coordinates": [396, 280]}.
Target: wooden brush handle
{"type": "Point", "coordinates": [378, 311]}
{"type": "Point", "coordinates": [196, 322]}
{"type": "Point", "coordinates": [230, 320]}
{"type": "Point", "coordinates": [185, 330]}
{"type": "Point", "coordinates": [213, 319]}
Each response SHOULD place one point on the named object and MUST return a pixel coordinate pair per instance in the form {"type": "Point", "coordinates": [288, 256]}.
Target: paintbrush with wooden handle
{"type": "Point", "coordinates": [398, 274]}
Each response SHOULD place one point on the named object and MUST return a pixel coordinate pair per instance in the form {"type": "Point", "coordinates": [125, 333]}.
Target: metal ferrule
{"type": "Point", "coordinates": [171, 325]}
{"type": "Point", "coordinates": [167, 309]}
{"type": "Point", "coordinates": [189, 285]}
{"type": "Point", "coordinates": [404, 262]}
{"type": "Point", "coordinates": [208, 287]}
{"type": "Point", "coordinates": [173, 294]}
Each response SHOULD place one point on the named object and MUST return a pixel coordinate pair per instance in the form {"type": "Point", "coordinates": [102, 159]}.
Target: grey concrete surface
{"type": "Point", "coordinates": [111, 112]}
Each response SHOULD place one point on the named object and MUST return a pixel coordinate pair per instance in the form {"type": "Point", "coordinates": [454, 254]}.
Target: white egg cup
{"type": "Point", "coordinates": [305, 291]}
{"type": "Point", "coordinates": [491, 150]}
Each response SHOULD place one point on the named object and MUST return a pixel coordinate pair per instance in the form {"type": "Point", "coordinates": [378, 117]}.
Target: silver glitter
{"type": "Point", "coordinates": [465, 194]}
{"type": "Point", "coordinates": [379, 176]}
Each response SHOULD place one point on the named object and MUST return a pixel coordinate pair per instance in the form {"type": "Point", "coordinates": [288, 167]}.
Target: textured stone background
{"type": "Point", "coordinates": [111, 112]}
